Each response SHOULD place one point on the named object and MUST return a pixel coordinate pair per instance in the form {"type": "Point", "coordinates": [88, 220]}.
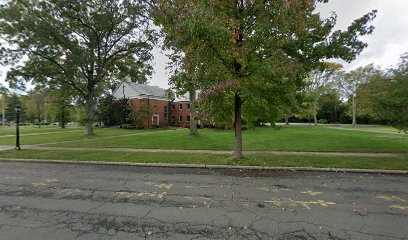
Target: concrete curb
{"type": "Point", "coordinates": [169, 165]}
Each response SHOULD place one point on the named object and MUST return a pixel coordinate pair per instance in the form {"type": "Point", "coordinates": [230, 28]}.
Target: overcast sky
{"type": "Point", "coordinates": [385, 45]}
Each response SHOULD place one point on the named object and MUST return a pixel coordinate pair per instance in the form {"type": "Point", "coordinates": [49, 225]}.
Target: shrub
{"type": "Point", "coordinates": [323, 121]}
{"type": "Point", "coordinates": [128, 126]}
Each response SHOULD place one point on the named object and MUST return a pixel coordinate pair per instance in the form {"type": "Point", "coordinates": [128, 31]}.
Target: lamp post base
{"type": "Point", "coordinates": [18, 148]}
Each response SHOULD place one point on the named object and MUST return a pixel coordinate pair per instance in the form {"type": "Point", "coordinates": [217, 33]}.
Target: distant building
{"type": "Point", "coordinates": [164, 111]}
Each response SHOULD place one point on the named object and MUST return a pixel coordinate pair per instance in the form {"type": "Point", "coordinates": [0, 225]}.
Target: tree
{"type": "Point", "coordinates": [398, 98]}
{"type": "Point", "coordinates": [12, 102]}
{"type": "Point", "coordinates": [113, 112]}
{"type": "Point", "coordinates": [36, 105]}
{"type": "Point", "coordinates": [185, 79]}
{"type": "Point", "coordinates": [384, 96]}
{"type": "Point", "coordinates": [3, 92]}
{"type": "Point", "coordinates": [370, 97]}
{"type": "Point", "coordinates": [60, 106]}
{"type": "Point", "coordinates": [81, 44]}
{"type": "Point", "coordinates": [317, 82]}
{"type": "Point", "coordinates": [348, 83]}
{"type": "Point", "coordinates": [258, 51]}
{"type": "Point", "coordinates": [330, 106]}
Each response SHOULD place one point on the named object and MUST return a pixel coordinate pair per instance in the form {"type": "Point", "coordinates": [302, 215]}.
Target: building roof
{"type": "Point", "coordinates": [153, 91]}
{"type": "Point", "coordinates": [135, 90]}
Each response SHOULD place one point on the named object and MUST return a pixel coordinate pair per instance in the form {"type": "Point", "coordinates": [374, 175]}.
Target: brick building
{"type": "Point", "coordinates": [163, 111]}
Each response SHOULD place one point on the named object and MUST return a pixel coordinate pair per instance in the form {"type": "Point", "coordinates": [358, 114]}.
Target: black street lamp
{"type": "Point", "coordinates": [18, 111]}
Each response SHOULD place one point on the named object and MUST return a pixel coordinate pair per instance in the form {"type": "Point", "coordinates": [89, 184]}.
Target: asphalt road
{"type": "Point", "coordinates": [63, 201]}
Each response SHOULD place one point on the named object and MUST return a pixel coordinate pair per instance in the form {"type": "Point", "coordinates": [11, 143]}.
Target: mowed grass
{"type": "Point", "coordinates": [58, 135]}
{"type": "Point", "coordinates": [4, 131]}
{"type": "Point", "coordinates": [209, 159]}
{"type": "Point", "coordinates": [291, 138]}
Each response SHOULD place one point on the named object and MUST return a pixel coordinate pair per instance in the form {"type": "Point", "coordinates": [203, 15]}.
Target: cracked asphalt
{"type": "Point", "coordinates": [78, 201]}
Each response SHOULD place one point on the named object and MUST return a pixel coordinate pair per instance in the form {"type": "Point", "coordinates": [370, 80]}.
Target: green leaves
{"type": "Point", "coordinates": [269, 46]}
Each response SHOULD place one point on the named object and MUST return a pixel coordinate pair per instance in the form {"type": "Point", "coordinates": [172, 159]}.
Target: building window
{"type": "Point", "coordinates": [154, 106]}
{"type": "Point", "coordinates": [172, 106]}
{"type": "Point", "coordinates": [181, 106]}
{"type": "Point", "coordinates": [180, 118]}
{"type": "Point", "coordinates": [188, 118]}
{"type": "Point", "coordinates": [166, 113]}
{"type": "Point", "coordinates": [188, 106]}
{"type": "Point", "coordinates": [173, 118]}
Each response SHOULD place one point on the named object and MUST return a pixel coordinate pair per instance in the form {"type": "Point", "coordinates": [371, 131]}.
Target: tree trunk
{"type": "Point", "coordinates": [193, 114]}
{"type": "Point", "coordinates": [354, 108]}
{"type": "Point", "coordinates": [39, 120]}
{"type": "Point", "coordinates": [314, 112]}
{"type": "Point", "coordinates": [89, 107]}
{"type": "Point", "coordinates": [286, 120]}
{"type": "Point", "coordinates": [62, 119]}
{"type": "Point", "coordinates": [237, 126]}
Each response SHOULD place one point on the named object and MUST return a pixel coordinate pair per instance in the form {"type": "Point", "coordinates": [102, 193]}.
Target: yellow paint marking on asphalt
{"type": "Point", "coordinates": [39, 184]}
{"type": "Point", "coordinates": [45, 183]}
{"type": "Point", "coordinates": [14, 178]}
{"type": "Point", "coordinates": [273, 189]}
{"type": "Point", "coordinates": [51, 180]}
{"type": "Point", "coordinates": [293, 203]}
{"type": "Point", "coordinates": [68, 191]}
{"type": "Point", "coordinates": [312, 193]}
{"type": "Point", "coordinates": [196, 197]}
{"type": "Point", "coordinates": [162, 185]}
{"type": "Point", "coordinates": [399, 207]}
{"type": "Point", "coordinates": [390, 198]}
{"type": "Point", "coordinates": [142, 194]}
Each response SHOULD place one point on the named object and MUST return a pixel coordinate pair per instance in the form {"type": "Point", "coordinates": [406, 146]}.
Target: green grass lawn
{"type": "Point", "coordinates": [253, 160]}
{"type": "Point", "coordinates": [287, 138]}
{"type": "Point", "coordinates": [58, 135]}
{"type": "Point", "coordinates": [291, 138]}
{"type": "Point", "coordinates": [35, 129]}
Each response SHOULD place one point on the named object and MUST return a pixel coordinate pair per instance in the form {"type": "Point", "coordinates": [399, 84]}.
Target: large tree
{"type": "Point", "coordinates": [186, 77]}
{"type": "Point", "coordinates": [348, 83]}
{"type": "Point", "coordinates": [36, 105]}
{"type": "Point", "coordinates": [13, 101]}
{"type": "Point", "coordinates": [83, 44]}
{"type": "Point", "coordinates": [397, 101]}
{"type": "Point", "coordinates": [259, 51]}
{"type": "Point", "coordinates": [384, 97]}
{"type": "Point", "coordinates": [318, 81]}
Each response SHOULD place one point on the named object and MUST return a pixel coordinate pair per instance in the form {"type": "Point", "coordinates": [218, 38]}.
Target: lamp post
{"type": "Point", "coordinates": [18, 111]}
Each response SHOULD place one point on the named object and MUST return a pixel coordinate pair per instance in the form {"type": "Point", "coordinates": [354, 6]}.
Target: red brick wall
{"type": "Point", "coordinates": [184, 112]}
{"type": "Point", "coordinates": [156, 106]}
